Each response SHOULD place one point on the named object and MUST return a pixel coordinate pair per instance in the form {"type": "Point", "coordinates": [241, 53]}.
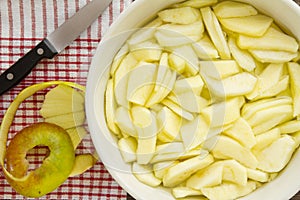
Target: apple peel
{"type": "Point", "coordinates": [18, 179]}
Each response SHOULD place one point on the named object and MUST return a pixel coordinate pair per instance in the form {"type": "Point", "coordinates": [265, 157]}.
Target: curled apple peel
{"type": "Point", "coordinates": [59, 164]}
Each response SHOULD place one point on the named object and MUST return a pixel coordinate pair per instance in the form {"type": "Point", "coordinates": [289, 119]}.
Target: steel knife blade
{"type": "Point", "coordinates": [53, 44]}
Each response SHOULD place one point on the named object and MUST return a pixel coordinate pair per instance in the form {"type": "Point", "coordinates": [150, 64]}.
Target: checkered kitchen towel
{"type": "Point", "coordinates": [23, 23]}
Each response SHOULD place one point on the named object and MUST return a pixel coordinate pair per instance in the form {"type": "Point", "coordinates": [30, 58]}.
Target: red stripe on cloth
{"type": "Point", "coordinates": [44, 9]}
{"type": "Point", "coordinates": [33, 20]}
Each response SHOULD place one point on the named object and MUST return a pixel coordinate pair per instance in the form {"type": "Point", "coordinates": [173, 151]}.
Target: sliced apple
{"type": "Point", "coordinates": [124, 121]}
{"type": "Point", "coordinates": [177, 63]}
{"type": "Point", "coordinates": [223, 113]}
{"type": "Point", "coordinates": [254, 25]}
{"type": "Point", "coordinates": [233, 172]}
{"type": "Point", "coordinates": [184, 15]}
{"type": "Point", "coordinates": [141, 83]}
{"type": "Point", "coordinates": [110, 107]}
{"type": "Point", "coordinates": [118, 59]}
{"type": "Point", "coordinates": [242, 57]}
{"type": "Point", "coordinates": [83, 162]}
{"type": "Point", "coordinates": [219, 69]}
{"type": "Point", "coordinates": [181, 192]}
{"type": "Point", "coordinates": [62, 100]}
{"type": "Point", "coordinates": [232, 9]}
{"type": "Point", "coordinates": [215, 32]}
{"type": "Point", "coordinates": [183, 170]}
{"type": "Point", "coordinates": [276, 89]}
{"type": "Point", "coordinates": [265, 139]}
{"type": "Point", "coordinates": [273, 56]}
{"type": "Point", "coordinates": [144, 174]}
{"type": "Point", "coordinates": [172, 147]}
{"type": "Point", "coordinates": [127, 148]}
{"type": "Point", "coordinates": [194, 133]}
{"type": "Point", "coordinates": [242, 132]}
{"type": "Point", "coordinates": [146, 126]}
{"type": "Point", "coordinates": [69, 120]}
{"type": "Point", "coordinates": [257, 175]}
{"type": "Point", "coordinates": [148, 51]}
{"type": "Point", "coordinates": [276, 156]}
{"type": "Point", "coordinates": [196, 3]}
{"type": "Point", "coordinates": [272, 40]}
{"type": "Point", "coordinates": [290, 127]}
{"type": "Point", "coordinates": [294, 71]}
{"type": "Point", "coordinates": [161, 168]}
{"type": "Point", "coordinates": [207, 177]}
{"type": "Point", "coordinates": [269, 77]}
{"type": "Point", "coordinates": [228, 147]}
{"type": "Point", "coordinates": [228, 191]}
{"type": "Point", "coordinates": [169, 124]}
{"type": "Point", "coordinates": [178, 110]}
{"type": "Point", "coordinates": [121, 79]}
{"type": "Point", "coordinates": [205, 49]}
{"type": "Point", "coordinates": [194, 83]}
{"type": "Point", "coordinates": [187, 53]}
{"type": "Point", "coordinates": [77, 134]}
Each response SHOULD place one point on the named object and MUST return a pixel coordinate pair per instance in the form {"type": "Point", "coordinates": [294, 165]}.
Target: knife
{"type": "Point", "coordinates": [53, 44]}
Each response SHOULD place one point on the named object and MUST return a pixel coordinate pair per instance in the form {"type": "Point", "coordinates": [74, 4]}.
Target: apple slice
{"type": "Point", "coordinates": [194, 133]}
{"type": "Point", "coordinates": [145, 123]}
{"type": "Point", "coordinates": [242, 132]}
{"type": "Point", "coordinates": [228, 147]}
{"type": "Point", "coordinates": [148, 51]}
{"type": "Point", "coordinates": [294, 71]}
{"type": "Point", "coordinates": [141, 83]}
{"type": "Point", "coordinates": [118, 59]}
{"type": "Point", "coordinates": [228, 191]}
{"type": "Point", "coordinates": [69, 120]}
{"type": "Point", "coordinates": [296, 137]}
{"type": "Point", "coordinates": [169, 124]}
{"type": "Point", "coordinates": [144, 174]}
{"type": "Point", "coordinates": [257, 175]}
{"type": "Point", "coordinates": [205, 49]}
{"type": "Point", "coordinates": [290, 127]}
{"type": "Point", "coordinates": [62, 100]}
{"type": "Point", "coordinates": [192, 31]}
{"type": "Point", "coordinates": [171, 147]}
{"type": "Point", "coordinates": [187, 53]}
{"type": "Point", "coordinates": [124, 121]}
{"type": "Point", "coordinates": [230, 9]}
{"type": "Point", "coordinates": [196, 3]}
{"type": "Point", "coordinates": [276, 89]}
{"type": "Point", "coordinates": [207, 177]}
{"type": "Point", "coordinates": [273, 56]}
{"type": "Point", "coordinates": [184, 15]}
{"type": "Point", "coordinates": [178, 110]}
{"type": "Point", "coordinates": [181, 192]}
{"type": "Point", "coordinates": [163, 90]}
{"type": "Point", "coordinates": [127, 148]}
{"type": "Point", "coordinates": [272, 40]}
{"type": "Point", "coordinates": [215, 32]}
{"type": "Point", "coordinates": [145, 33]}
{"type": "Point", "coordinates": [254, 25]}
{"type": "Point", "coordinates": [219, 69]}
{"type": "Point", "coordinates": [249, 109]}
{"type": "Point", "coordinates": [265, 139]}
{"type": "Point", "coordinates": [110, 107]}
{"type": "Point", "coordinates": [161, 168]}
{"type": "Point", "coordinates": [223, 113]}
{"type": "Point", "coordinates": [121, 79]}
{"type": "Point", "coordinates": [77, 134]}
{"type": "Point", "coordinates": [194, 83]}
{"type": "Point", "coordinates": [233, 172]}
{"type": "Point", "coordinates": [269, 77]}
{"type": "Point", "coordinates": [177, 63]}
{"type": "Point", "coordinates": [183, 170]}
{"type": "Point", "coordinates": [276, 156]}
{"type": "Point", "coordinates": [83, 162]}
{"type": "Point", "coordinates": [242, 57]}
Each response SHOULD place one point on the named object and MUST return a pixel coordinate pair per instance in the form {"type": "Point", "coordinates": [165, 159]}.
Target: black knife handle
{"type": "Point", "coordinates": [20, 69]}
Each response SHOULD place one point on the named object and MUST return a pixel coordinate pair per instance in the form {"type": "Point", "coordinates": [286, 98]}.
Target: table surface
{"type": "Point", "coordinates": [23, 24]}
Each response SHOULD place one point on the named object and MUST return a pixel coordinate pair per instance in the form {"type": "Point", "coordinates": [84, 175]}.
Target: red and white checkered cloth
{"type": "Point", "coordinates": [23, 24]}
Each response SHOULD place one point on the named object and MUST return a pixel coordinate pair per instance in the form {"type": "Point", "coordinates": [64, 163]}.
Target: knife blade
{"type": "Point", "coordinates": [53, 44]}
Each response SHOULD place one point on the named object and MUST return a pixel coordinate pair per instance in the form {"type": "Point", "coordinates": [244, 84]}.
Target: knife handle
{"type": "Point", "coordinates": [20, 69]}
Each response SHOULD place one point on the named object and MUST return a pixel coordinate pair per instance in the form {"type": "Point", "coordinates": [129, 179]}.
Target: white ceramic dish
{"type": "Point", "coordinates": [285, 12]}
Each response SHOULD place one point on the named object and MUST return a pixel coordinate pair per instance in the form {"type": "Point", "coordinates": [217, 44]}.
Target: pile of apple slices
{"type": "Point", "coordinates": [205, 99]}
